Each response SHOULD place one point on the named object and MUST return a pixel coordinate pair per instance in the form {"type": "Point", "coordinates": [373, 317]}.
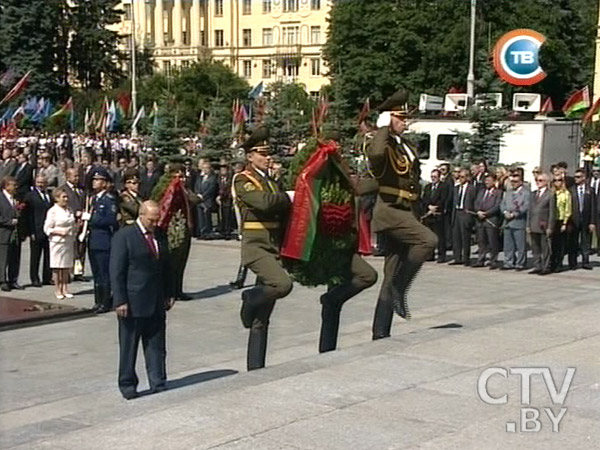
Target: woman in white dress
{"type": "Point", "coordinates": [60, 228]}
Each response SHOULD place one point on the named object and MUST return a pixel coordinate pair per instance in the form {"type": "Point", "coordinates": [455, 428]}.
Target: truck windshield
{"type": "Point", "coordinates": [448, 146]}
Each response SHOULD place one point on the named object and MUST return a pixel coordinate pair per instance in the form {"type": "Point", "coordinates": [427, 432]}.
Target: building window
{"type": "Point", "coordinates": [167, 68]}
{"type": "Point", "coordinates": [185, 64]}
{"type": "Point", "coordinates": [266, 6]}
{"type": "Point", "coordinates": [315, 67]}
{"type": "Point", "coordinates": [247, 68]}
{"type": "Point", "coordinates": [267, 68]}
{"type": "Point", "coordinates": [290, 5]}
{"type": "Point", "coordinates": [315, 35]}
{"type": "Point", "coordinates": [267, 36]}
{"type": "Point", "coordinates": [219, 42]}
{"type": "Point", "coordinates": [315, 4]}
{"type": "Point", "coordinates": [290, 35]}
{"type": "Point", "coordinates": [291, 68]}
{"type": "Point", "coordinates": [202, 37]}
{"type": "Point", "coordinates": [247, 7]}
{"type": "Point", "coordinates": [218, 7]}
{"type": "Point", "coordinates": [247, 37]}
{"type": "Point", "coordinates": [127, 11]}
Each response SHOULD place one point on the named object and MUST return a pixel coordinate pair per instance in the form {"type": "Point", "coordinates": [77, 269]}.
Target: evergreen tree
{"type": "Point", "coordinates": [93, 52]}
{"type": "Point", "coordinates": [166, 138]}
{"type": "Point", "coordinates": [217, 142]}
{"type": "Point", "coordinates": [32, 40]}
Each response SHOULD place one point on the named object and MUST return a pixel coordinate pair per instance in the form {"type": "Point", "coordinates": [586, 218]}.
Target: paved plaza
{"type": "Point", "coordinates": [417, 389]}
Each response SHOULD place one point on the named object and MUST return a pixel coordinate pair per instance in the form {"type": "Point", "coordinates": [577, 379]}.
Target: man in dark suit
{"type": "Point", "coordinates": [38, 202]}
{"type": "Point", "coordinates": [225, 202]}
{"type": "Point", "coordinates": [190, 174]}
{"type": "Point", "coordinates": [463, 219]}
{"type": "Point", "coordinates": [435, 196]}
{"type": "Point", "coordinates": [584, 212]}
{"type": "Point", "coordinates": [489, 219]}
{"type": "Point", "coordinates": [77, 204]}
{"type": "Point", "coordinates": [149, 179]}
{"type": "Point", "coordinates": [142, 292]}
{"type": "Point", "coordinates": [540, 224]}
{"type": "Point", "coordinates": [10, 246]}
{"type": "Point", "coordinates": [206, 188]}
{"type": "Point", "coordinates": [8, 164]}
{"type": "Point", "coordinates": [24, 176]}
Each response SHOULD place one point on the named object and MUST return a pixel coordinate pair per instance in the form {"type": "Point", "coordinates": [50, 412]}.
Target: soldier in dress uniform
{"type": "Point", "coordinates": [131, 200]}
{"type": "Point", "coordinates": [408, 243]}
{"type": "Point", "coordinates": [102, 224]}
{"type": "Point", "coordinates": [264, 207]}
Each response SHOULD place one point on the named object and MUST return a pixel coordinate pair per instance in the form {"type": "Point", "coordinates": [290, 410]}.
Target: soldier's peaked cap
{"type": "Point", "coordinates": [396, 104]}
{"type": "Point", "coordinates": [101, 172]}
{"type": "Point", "coordinates": [258, 140]}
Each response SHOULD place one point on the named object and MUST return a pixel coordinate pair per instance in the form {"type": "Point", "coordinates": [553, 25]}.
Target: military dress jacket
{"type": "Point", "coordinates": [129, 207]}
{"type": "Point", "coordinates": [395, 164]}
{"type": "Point", "coordinates": [264, 208]}
{"type": "Point", "coordinates": [103, 222]}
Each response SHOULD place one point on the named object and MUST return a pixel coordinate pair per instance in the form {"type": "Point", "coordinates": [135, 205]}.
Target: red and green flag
{"type": "Point", "coordinates": [577, 102]}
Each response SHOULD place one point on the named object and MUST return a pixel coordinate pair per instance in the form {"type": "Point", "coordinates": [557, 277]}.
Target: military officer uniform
{"type": "Point", "coordinates": [264, 208]}
{"type": "Point", "coordinates": [130, 201]}
{"type": "Point", "coordinates": [408, 243]}
{"type": "Point", "coordinates": [102, 225]}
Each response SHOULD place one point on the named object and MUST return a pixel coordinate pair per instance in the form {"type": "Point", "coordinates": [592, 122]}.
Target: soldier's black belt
{"type": "Point", "coordinates": [400, 193]}
{"type": "Point", "coordinates": [261, 225]}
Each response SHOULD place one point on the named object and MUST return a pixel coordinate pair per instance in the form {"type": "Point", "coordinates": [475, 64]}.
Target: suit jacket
{"type": "Point", "coordinates": [147, 183]}
{"type": "Point", "coordinates": [36, 209]}
{"type": "Point", "coordinates": [208, 188]}
{"type": "Point", "coordinates": [516, 202]}
{"type": "Point", "coordinates": [490, 204]}
{"type": "Point", "coordinates": [542, 212]}
{"type": "Point", "coordinates": [7, 214]}
{"type": "Point", "coordinates": [7, 168]}
{"type": "Point", "coordinates": [76, 199]}
{"type": "Point", "coordinates": [469, 201]}
{"type": "Point", "coordinates": [24, 176]}
{"type": "Point", "coordinates": [51, 174]}
{"type": "Point", "coordinates": [434, 197]}
{"type": "Point", "coordinates": [137, 276]}
{"type": "Point", "coordinates": [85, 178]}
{"type": "Point", "coordinates": [225, 189]}
{"type": "Point", "coordinates": [583, 215]}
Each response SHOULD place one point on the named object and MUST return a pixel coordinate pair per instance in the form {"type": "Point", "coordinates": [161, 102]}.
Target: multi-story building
{"type": "Point", "coordinates": [261, 40]}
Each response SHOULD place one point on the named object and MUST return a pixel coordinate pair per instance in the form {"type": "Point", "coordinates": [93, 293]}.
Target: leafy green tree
{"type": "Point", "coordinates": [93, 51]}
{"type": "Point", "coordinates": [33, 40]}
{"type": "Point", "coordinates": [166, 138]}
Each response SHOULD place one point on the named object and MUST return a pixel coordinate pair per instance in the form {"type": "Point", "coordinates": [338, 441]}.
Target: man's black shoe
{"type": "Point", "coordinates": [521, 269]}
{"type": "Point", "coordinates": [534, 272]}
{"type": "Point", "coordinates": [236, 285]}
{"type": "Point", "coordinates": [101, 309]}
{"type": "Point", "coordinates": [506, 268]}
{"type": "Point", "coordinates": [441, 260]}
{"type": "Point", "coordinates": [17, 286]}
{"type": "Point", "coordinates": [456, 263]}
{"type": "Point", "coordinates": [545, 272]}
{"type": "Point", "coordinates": [5, 287]}
{"type": "Point", "coordinates": [78, 278]}
{"type": "Point", "coordinates": [130, 395]}
{"type": "Point", "coordinates": [478, 265]}
{"type": "Point", "coordinates": [37, 284]}
{"type": "Point", "coordinates": [586, 266]}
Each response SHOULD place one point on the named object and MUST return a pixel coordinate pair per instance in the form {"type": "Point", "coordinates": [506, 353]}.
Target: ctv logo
{"type": "Point", "coordinates": [516, 57]}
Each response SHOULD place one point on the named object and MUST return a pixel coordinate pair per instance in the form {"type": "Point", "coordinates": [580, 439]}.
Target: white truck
{"type": "Point", "coordinates": [529, 142]}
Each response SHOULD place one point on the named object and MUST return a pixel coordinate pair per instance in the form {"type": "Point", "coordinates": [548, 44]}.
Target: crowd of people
{"type": "Point", "coordinates": [556, 218]}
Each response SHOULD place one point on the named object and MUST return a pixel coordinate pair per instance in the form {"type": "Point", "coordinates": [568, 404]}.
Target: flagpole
{"type": "Point", "coordinates": [133, 70]}
{"type": "Point", "coordinates": [471, 74]}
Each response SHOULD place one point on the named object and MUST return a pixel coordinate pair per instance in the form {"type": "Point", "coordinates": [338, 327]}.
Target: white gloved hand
{"type": "Point", "coordinates": [86, 216]}
{"type": "Point", "coordinates": [290, 195]}
{"type": "Point", "coordinates": [384, 119]}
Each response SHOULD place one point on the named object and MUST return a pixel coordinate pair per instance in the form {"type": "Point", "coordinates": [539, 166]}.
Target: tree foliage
{"type": "Point", "coordinates": [423, 45]}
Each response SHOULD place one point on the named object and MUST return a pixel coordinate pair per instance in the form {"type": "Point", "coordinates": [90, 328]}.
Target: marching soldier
{"type": "Point", "coordinates": [130, 198]}
{"type": "Point", "coordinates": [408, 243]}
{"type": "Point", "coordinates": [102, 224]}
{"type": "Point", "coordinates": [264, 207]}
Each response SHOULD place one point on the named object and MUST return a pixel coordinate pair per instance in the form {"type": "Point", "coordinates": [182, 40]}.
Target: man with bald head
{"type": "Point", "coordinates": [142, 293]}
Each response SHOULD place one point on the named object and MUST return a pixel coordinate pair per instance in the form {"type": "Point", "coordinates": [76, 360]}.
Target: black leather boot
{"type": "Point", "coordinates": [331, 309]}
{"type": "Point", "coordinates": [382, 322]}
{"type": "Point", "coordinates": [240, 279]}
{"type": "Point", "coordinates": [257, 339]}
{"type": "Point", "coordinates": [252, 300]}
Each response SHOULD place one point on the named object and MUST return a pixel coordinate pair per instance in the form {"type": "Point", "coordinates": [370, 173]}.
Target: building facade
{"type": "Point", "coordinates": [261, 40]}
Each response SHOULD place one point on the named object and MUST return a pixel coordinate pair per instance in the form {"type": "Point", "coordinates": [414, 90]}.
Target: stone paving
{"type": "Point", "coordinates": [417, 389]}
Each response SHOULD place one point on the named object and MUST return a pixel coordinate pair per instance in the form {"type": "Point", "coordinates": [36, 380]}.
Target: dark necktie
{"type": "Point", "coordinates": [150, 241]}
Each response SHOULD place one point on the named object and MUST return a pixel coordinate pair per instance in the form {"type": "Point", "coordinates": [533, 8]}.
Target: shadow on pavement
{"type": "Point", "coordinates": [194, 379]}
{"type": "Point", "coordinates": [210, 292]}
{"type": "Point", "coordinates": [446, 325]}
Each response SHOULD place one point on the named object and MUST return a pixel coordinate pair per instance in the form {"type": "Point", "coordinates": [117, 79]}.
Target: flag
{"type": "Point", "coordinates": [256, 91]}
{"type": "Point", "coordinates": [577, 102]}
{"type": "Point", "coordinates": [31, 106]}
{"type": "Point", "coordinates": [18, 114]}
{"type": "Point", "coordinates": [124, 103]}
{"type": "Point", "coordinates": [547, 107]}
{"type": "Point", "coordinates": [86, 121]}
{"type": "Point", "coordinates": [7, 114]}
{"type": "Point", "coordinates": [591, 112]}
{"type": "Point", "coordinates": [38, 115]}
{"type": "Point", "coordinates": [154, 115]}
{"type": "Point", "coordinates": [140, 115]}
{"type": "Point", "coordinates": [17, 88]}
{"type": "Point", "coordinates": [101, 124]}
{"type": "Point", "coordinates": [67, 108]}
{"type": "Point", "coordinates": [112, 120]}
